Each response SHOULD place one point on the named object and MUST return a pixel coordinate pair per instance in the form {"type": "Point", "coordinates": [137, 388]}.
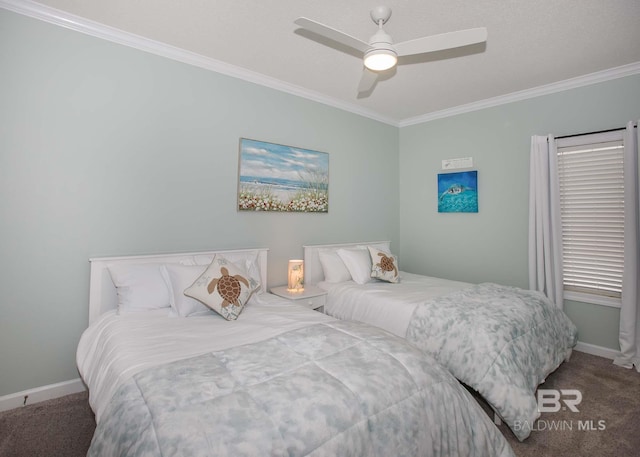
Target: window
{"type": "Point", "coordinates": [590, 172]}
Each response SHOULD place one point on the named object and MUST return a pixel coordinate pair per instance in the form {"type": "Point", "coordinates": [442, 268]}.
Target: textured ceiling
{"type": "Point", "coordinates": [530, 44]}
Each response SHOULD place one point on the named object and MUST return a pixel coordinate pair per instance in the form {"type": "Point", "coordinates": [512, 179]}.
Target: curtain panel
{"type": "Point", "coordinates": [630, 310]}
{"type": "Point", "coordinates": [545, 229]}
{"type": "Point", "coordinates": [545, 236]}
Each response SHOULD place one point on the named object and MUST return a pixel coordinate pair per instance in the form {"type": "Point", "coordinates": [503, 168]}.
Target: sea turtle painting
{"type": "Point", "coordinates": [387, 263]}
{"type": "Point", "coordinates": [228, 286]}
{"type": "Point", "coordinates": [458, 192]}
{"type": "Point", "coordinates": [454, 190]}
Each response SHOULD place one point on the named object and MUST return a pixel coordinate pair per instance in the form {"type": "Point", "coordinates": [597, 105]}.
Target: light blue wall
{"type": "Point", "coordinates": [106, 150]}
{"type": "Point", "coordinates": [492, 244]}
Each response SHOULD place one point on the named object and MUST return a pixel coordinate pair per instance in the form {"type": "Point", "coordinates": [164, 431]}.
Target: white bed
{"type": "Point", "coordinates": [280, 380]}
{"type": "Point", "coordinates": [501, 341]}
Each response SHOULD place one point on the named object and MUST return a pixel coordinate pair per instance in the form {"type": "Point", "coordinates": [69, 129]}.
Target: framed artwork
{"type": "Point", "coordinates": [458, 192]}
{"type": "Point", "coordinates": [275, 177]}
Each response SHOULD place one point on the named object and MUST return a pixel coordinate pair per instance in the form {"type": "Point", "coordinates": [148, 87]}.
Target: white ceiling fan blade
{"type": "Point", "coordinates": [443, 41]}
{"type": "Point", "coordinates": [332, 34]}
{"type": "Point", "coordinates": [367, 81]}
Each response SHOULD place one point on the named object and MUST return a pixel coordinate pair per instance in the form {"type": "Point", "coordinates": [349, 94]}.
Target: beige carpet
{"type": "Point", "coordinates": [56, 428]}
{"type": "Point", "coordinates": [608, 421]}
{"type": "Point", "coordinates": [610, 401]}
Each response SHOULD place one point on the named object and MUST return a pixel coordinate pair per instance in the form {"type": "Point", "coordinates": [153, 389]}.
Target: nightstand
{"type": "Point", "coordinates": [312, 296]}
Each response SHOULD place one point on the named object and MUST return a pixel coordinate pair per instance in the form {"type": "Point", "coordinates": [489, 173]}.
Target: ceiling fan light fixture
{"type": "Point", "coordinates": [380, 53]}
{"type": "Point", "coordinates": [380, 59]}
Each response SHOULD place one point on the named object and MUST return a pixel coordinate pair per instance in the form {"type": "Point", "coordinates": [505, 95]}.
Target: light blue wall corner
{"type": "Point", "coordinates": [492, 245]}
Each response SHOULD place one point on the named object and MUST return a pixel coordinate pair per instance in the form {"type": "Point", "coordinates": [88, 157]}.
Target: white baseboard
{"type": "Point", "coordinates": [31, 396]}
{"type": "Point", "coordinates": [597, 350]}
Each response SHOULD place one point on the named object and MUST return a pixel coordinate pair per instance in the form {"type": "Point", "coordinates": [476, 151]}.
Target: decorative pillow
{"type": "Point", "coordinates": [139, 287]}
{"type": "Point", "coordinates": [225, 287]}
{"type": "Point", "coordinates": [384, 265]}
{"type": "Point", "coordinates": [358, 262]}
{"type": "Point", "coordinates": [333, 267]}
{"type": "Point", "coordinates": [248, 258]}
{"type": "Point", "coordinates": [179, 277]}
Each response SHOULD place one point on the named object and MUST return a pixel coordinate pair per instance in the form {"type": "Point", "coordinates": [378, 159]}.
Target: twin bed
{"type": "Point", "coordinates": [272, 378]}
{"type": "Point", "coordinates": [501, 341]}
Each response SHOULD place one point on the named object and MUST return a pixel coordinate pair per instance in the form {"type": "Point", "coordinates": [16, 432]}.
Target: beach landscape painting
{"type": "Point", "coordinates": [458, 192]}
{"type": "Point", "coordinates": [275, 177]}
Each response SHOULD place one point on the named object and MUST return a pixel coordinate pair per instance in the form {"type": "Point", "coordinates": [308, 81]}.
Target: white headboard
{"type": "Point", "coordinates": [313, 273]}
{"type": "Point", "coordinates": [102, 293]}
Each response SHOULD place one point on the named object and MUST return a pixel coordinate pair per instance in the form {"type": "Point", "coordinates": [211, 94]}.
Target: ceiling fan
{"type": "Point", "coordinates": [381, 54]}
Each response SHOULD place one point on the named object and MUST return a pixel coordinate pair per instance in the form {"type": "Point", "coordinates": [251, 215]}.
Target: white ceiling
{"type": "Point", "coordinates": [530, 44]}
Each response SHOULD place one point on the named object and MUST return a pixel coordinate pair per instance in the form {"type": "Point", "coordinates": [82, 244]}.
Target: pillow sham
{"type": "Point", "coordinates": [180, 277]}
{"type": "Point", "coordinates": [139, 287]}
{"type": "Point", "coordinates": [225, 287]}
{"type": "Point", "coordinates": [384, 265]}
{"type": "Point", "coordinates": [358, 262]}
{"type": "Point", "coordinates": [333, 267]}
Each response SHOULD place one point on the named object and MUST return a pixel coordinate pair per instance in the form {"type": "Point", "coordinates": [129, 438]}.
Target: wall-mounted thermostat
{"type": "Point", "coordinates": [462, 162]}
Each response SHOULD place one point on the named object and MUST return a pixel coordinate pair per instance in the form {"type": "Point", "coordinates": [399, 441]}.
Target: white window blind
{"type": "Point", "coordinates": [592, 213]}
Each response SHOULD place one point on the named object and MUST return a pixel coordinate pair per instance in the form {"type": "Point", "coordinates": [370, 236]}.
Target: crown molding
{"type": "Point", "coordinates": [57, 17]}
{"type": "Point", "coordinates": [573, 83]}
{"type": "Point", "coordinates": [79, 24]}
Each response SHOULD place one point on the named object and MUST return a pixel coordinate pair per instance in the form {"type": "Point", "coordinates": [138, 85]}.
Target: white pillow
{"type": "Point", "coordinates": [384, 265]}
{"type": "Point", "coordinates": [139, 287]}
{"type": "Point", "coordinates": [358, 262]}
{"type": "Point", "coordinates": [225, 287]}
{"type": "Point", "coordinates": [333, 267]}
{"type": "Point", "coordinates": [180, 277]}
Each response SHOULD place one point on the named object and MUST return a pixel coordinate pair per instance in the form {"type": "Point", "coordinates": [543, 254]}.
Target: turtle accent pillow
{"type": "Point", "coordinates": [384, 265]}
{"type": "Point", "coordinates": [225, 287]}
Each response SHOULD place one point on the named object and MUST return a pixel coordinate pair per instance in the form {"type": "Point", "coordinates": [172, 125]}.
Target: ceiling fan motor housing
{"type": "Point", "coordinates": [381, 40]}
{"type": "Point", "coordinates": [382, 54]}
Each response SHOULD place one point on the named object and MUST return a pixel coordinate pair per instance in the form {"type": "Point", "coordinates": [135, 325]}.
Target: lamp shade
{"type": "Point", "coordinates": [295, 276]}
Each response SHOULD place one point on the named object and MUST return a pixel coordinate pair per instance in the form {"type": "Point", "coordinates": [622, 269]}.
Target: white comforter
{"type": "Point", "coordinates": [117, 347]}
{"type": "Point", "coordinates": [206, 386]}
{"type": "Point", "coordinates": [370, 302]}
{"type": "Point", "coordinates": [502, 341]}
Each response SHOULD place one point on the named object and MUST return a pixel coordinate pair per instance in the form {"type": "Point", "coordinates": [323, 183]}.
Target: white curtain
{"type": "Point", "coordinates": [545, 229]}
{"type": "Point", "coordinates": [630, 310]}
